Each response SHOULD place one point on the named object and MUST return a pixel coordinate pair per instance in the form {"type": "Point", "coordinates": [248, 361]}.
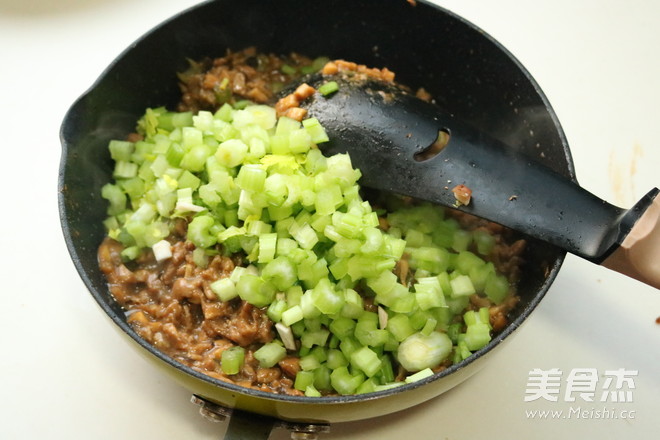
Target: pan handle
{"type": "Point", "coordinates": [248, 426]}
{"type": "Point", "coordinates": [638, 256]}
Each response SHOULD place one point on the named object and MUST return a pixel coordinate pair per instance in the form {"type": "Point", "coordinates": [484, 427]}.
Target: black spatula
{"type": "Point", "coordinates": [398, 142]}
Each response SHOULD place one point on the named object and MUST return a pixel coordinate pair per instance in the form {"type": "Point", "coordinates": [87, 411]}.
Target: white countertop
{"type": "Point", "coordinates": [65, 373]}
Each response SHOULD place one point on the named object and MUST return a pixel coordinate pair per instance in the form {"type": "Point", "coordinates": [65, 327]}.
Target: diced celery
{"type": "Point", "coordinates": [415, 238]}
{"type": "Point", "coordinates": [300, 141]}
{"type": "Point", "coordinates": [461, 352]}
{"type": "Point", "coordinates": [121, 150]}
{"type": "Point", "coordinates": [203, 120]}
{"type": "Point", "coordinates": [373, 241]}
{"type": "Point", "coordinates": [311, 338]}
{"type": "Point", "coordinates": [171, 120]}
{"type": "Point", "coordinates": [429, 327]}
{"type": "Point", "coordinates": [348, 345]}
{"type": "Point", "coordinates": [353, 304]}
{"type": "Point", "coordinates": [195, 158]}
{"type": "Point", "coordinates": [200, 257]}
{"type": "Point", "coordinates": [326, 298]}
{"type": "Point", "coordinates": [328, 199]}
{"type": "Point", "coordinates": [346, 247]}
{"type": "Point", "coordinates": [388, 386]}
{"type": "Point", "coordinates": [336, 359]}
{"type": "Point", "coordinates": [386, 373]}
{"type": "Point", "coordinates": [400, 300]}
{"type": "Point", "coordinates": [304, 379]}
{"type": "Point", "coordinates": [275, 312]}
{"type": "Point", "coordinates": [189, 180]}
{"type": "Point", "coordinates": [322, 379]}
{"type": "Point", "coordinates": [231, 360]}
{"type": "Point", "coordinates": [198, 231]}
{"type": "Point", "coordinates": [318, 63]}
{"type": "Point", "coordinates": [293, 295]}
{"type": "Point", "coordinates": [366, 360]}
{"type": "Point", "coordinates": [288, 69]}
{"type": "Point", "coordinates": [328, 88]}
{"type": "Point", "coordinates": [279, 271]}
{"type": "Point", "coordinates": [231, 152]}
{"type": "Point", "coordinates": [125, 170]}
{"type": "Point", "coordinates": [457, 304]}
{"type": "Point", "coordinates": [255, 290]}
{"type": "Point", "coordinates": [484, 240]}
{"type": "Point", "coordinates": [224, 113]}
{"type": "Point", "coordinates": [304, 235]}
{"type": "Point", "coordinates": [466, 261]}
{"type": "Point", "coordinates": [191, 137]}
{"type": "Point", "coordinates": [383, 284]}
{"type": "Point", "coordinates": [461, 240]}
{"type": "Point", "coordinates": [428, 293]}
{"type": "Point", "coordinates": [462, 286]}
{"type": "Point", "coordinates": [251, 178]}
{"type": "Point", "coordinates": [130, 253]}
{"type": "Point", "coordinates": [315, 130]}
{"type": "Point", "coordinates": [279, 144]}
{"type": "Point", "coordinates": [497, 287]}
{"type": "Point", "coordinates": [319, 222]}
{"type": "Point", "coordinates": [399, 326]}
{"type": "Point", "coordinates": [422, 374]}
{"type": "Point", "coordinates": [307, 305]}
{"type": "Point", "coordinates": [286, 125]}
{"type": "Point", "coordinates": [479, 276]}
{"type": "Point", "coordinates": [267, 247]}
{"type": "Point", "coordinates": [264, 116]}
{"type": "Point", "coordinates": [344, 382]}
{"type": "Point", "coordinates": [312, 391]}
{"type": "Point", "coordinates": [433, 259]}
{"type": "Point", "coordinates": [116, 197]}
{"type": "Point", "coordinates": [270, 354]}
{"type": "Point", "coordinates": [394, 247]}
{"type": "Point", "coordinates": [292, 315]}
{"type": "Point", "coordinates": [308, 363]}
{"type": "Point", "coordinates": [239, 105]}
{"type": "Point", "coordinates": [477, 336]}
{"type": "Point", "coordinates": [224, 288]}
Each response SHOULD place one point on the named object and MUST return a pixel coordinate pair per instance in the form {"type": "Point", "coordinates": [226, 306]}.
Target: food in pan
{"type": "Point", "coordinates": [237, 248]}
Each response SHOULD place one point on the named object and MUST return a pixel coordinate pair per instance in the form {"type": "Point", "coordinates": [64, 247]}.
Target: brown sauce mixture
{"type": "Point", "coordinates": [170, 303]}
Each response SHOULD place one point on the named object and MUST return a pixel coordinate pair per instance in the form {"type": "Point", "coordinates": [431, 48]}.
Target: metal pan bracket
{"type": "Point", "coordinates": [218, 413]}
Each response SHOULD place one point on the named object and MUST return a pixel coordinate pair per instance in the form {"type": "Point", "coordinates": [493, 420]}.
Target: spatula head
{"type": "Point", "coordinates": [387, 129]}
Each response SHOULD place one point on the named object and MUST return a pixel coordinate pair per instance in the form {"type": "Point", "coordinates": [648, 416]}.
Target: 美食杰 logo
{"type": "Point", "coordinates": [592, 395]}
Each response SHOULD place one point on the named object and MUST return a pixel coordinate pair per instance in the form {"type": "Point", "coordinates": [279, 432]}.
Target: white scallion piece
{"type": "Point", "coordinates": [162, 250]}
{"type": "Point", "coordinates": [188, 207]}
{"type": "Point", "coordinates": [286, 335]}
{"type": "Point", "coordinates": [382, 317]}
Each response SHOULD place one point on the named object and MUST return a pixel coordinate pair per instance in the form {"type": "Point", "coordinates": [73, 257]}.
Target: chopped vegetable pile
{"type": "Point", "coordinates": [366, 297]}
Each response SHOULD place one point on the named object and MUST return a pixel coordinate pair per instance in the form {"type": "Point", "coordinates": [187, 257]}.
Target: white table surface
{"type": "Point", "coordinates": [65, 373]}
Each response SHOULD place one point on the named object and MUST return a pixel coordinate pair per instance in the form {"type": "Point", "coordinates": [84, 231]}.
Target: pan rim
{"type": "Point", "coordinates": [552, 271]}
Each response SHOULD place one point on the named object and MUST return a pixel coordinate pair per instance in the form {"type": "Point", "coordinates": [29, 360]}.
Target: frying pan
{"type": "Point", "coordinates": [460, 65]}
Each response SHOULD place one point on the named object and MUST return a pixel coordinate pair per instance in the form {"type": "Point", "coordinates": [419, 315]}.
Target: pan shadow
{"type": "Point", "coordinates": [604, 320]}
{"type": "Point", "coordinates": [379, 426]}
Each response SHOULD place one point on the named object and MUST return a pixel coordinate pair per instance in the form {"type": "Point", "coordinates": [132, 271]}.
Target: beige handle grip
{"type": "Point", "coordinates": [639, 254]}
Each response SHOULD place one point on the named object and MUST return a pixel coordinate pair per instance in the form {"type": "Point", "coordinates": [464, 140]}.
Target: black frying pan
{"type": "Point", "coordinates": [425, 45]}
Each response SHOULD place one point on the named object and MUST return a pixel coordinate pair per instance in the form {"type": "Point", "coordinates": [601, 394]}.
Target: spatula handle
{"type": "Point", "coordinates": [639, 254]}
